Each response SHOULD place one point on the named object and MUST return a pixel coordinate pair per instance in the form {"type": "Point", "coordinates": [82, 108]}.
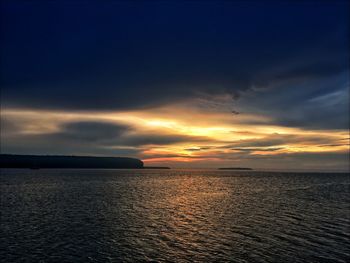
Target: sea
{"type": "Point", "coordinates": [73, 215]}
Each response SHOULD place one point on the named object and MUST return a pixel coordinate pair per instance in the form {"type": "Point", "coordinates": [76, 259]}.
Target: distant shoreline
{"type": "Point", "coordinates": [155, 167]}
{"type": "Point", "coordinates": [237, 168]}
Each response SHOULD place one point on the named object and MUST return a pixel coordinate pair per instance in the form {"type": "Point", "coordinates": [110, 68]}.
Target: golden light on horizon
{"type": "Point", "coordinates": [194, 141]}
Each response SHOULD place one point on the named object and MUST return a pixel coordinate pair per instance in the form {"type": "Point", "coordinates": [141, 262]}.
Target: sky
{"type": "Point", "coordinates": [190, 84]}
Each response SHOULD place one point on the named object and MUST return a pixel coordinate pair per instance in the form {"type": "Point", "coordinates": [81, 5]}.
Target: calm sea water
{"type": "Point", "coordinates": [173, 216]}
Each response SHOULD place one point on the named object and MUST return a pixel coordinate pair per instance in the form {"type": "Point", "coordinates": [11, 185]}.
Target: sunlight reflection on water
{"type": "Point", "coordinates": [173, 216]}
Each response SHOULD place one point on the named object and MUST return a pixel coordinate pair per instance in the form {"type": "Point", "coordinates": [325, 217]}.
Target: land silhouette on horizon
{"type": "Point", "coordinates": [236, 168]}
{"type": "Point", "coordinates": [63, 161]}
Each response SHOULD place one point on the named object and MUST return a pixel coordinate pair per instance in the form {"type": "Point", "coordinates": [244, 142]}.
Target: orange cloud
{"type": "Point", "coordinates": [185, 134]}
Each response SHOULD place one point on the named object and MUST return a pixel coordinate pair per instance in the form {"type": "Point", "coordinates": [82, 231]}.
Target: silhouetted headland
{"type": "Point", "coordinates": [60, 161]}
{"type": "Point", "coordinates": [237, 168]}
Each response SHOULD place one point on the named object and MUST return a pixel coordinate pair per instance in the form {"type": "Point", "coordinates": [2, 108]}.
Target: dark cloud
{"type": "Point", "coordinates": [262, 149]}
{"type": "Point", "coordinates": [153, 139]}
{"type": "Point", "coordinates": [311, 103]}
{"type": "Point", "coordinates": [334, 145]}
{"type": "Point", "coordinates": [273, 141]}
{"type": "Point", "coordinates": [287, 62]}
{"type": "Point", "coordinates": [197, 149]}
{"type": "Point", "coordinates": [111, 134]}
{"type": "Point", "coordinates": [193, 149]}
{"type": "Point", "coordinates": [8, 127]}
{"type": "Point", "coordinates": [90, 131]}
{"type": "Point", "coordinates": [84, 137]}
{"type": "Point", "coordinates": [117, 55]}
{"type": "Point", "coordinates": [72, 138]}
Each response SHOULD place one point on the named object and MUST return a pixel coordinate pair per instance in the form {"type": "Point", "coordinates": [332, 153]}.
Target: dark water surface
{"type": "Point", "coordinates": [173, 216]}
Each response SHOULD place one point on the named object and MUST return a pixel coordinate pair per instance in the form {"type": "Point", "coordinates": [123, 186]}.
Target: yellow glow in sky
{"type": "Point", "coordinates": [194, 140]}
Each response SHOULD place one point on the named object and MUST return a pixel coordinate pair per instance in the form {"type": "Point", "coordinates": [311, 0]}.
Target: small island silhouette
{"type": "Point", "coordinates": [237, 168]}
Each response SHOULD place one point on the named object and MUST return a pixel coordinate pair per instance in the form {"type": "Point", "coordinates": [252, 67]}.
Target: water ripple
{"type": "Point", "coordinates": [173, 216]}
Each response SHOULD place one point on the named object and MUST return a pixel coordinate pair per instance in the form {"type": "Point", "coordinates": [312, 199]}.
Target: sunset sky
{"type": "Point", "coordinates": [178, 83]}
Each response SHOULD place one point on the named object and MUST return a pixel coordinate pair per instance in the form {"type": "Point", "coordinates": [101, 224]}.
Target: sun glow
{"type": "Point", "coordinates": [189, 140]}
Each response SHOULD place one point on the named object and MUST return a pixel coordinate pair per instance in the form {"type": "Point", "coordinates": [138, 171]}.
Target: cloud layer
{"type": "Point", "coordinates": [204, 83]}
{"type": "Point", "coordinates": [121, 55]}
{"type": "Point", "coordinates": [172, 140]}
